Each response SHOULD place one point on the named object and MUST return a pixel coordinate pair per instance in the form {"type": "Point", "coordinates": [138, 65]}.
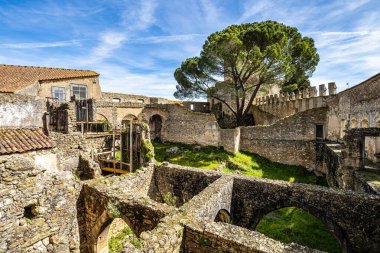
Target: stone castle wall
{"type": "Point", "coordinates": [289, 141]}
{"type": "Point", "coordinates": [270, 109]}
{"type": "Point", "coordinates": [124, 98]}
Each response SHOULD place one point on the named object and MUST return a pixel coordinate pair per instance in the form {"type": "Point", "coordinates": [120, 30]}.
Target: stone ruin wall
{"type": "Point", "coordinates": [190, 227]}
{"type": "Point", "coordinates": [40, 190]}
{"type": "Point", "coordinates": [289, 141]}
{"type": "Point", "coordinates": [125, 98]}
{"type": "Point", "coordinates": [357, 107]}
{"type": "Point", "coordinates": [185, 126]}
{"type": "Point", "coordinates": [20, 111]}
{"type": "Point", "coordinates": [38, 205]}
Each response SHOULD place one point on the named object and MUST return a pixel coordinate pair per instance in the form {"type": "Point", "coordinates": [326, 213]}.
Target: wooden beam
{"type": "Point", "coordinates": [115, 170]}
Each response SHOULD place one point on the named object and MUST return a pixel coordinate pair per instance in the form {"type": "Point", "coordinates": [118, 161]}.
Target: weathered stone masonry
{"type": "Point", "coordinates": [191, 227]}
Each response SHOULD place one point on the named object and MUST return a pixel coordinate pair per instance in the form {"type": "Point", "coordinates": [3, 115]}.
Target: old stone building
{"type": "Point", "coordinates": [42, 82]}
{"type": "Point", "coordinates": [53, 146]}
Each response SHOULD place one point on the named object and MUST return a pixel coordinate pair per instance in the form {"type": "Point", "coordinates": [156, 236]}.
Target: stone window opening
{"type": "Point", "coordinates": [116, 100]}
{"type": "Point", "coordinates": [140, 100]}
{"type": "Point", "coordinates": [29, 212]}
{"type": "Point", "coordinates": [354, 123]}
{"type": "Point", "coordinates": [192, 107]}
{"type": "Point", "coordinates": [365, 123]}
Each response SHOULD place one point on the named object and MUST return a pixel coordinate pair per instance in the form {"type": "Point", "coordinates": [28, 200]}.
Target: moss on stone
{"type": "Point", "coordinates": [113, 210]}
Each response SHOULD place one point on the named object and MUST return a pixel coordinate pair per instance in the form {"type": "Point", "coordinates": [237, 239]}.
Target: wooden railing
{"type": "Point", "coordinates": [115, 166]}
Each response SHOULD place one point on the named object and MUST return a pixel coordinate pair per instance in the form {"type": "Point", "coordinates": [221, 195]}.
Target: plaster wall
{"type": "Point", "coordinates": [20, 111]}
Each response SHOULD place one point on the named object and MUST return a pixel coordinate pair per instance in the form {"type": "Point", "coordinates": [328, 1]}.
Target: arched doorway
{"type": "Point", "coordinates": [114, 235]}
{"type": "Point", "coordinates": [127, 120]}
{"type": "Point", "coordinates": [291, 224]}
{"type": "Point", "coordinates": [155, 125]}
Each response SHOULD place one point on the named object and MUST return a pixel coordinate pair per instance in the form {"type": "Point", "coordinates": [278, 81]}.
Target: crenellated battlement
{"type": "Point", "coordinates": [288, 103]}
{"type": "Point", "coordinates": [291, 96]}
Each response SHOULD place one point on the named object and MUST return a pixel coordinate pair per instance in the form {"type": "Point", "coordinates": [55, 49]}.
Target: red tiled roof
{"type": "Point", "coordinates": [14, 78]}
{"type": "Point", "coordinates": [18, 140]}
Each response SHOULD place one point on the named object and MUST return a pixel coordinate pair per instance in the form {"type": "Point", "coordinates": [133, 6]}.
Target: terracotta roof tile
{"type": "Point", "coordinates": [14, 78]}
{"type": "Point", "coordinates": [18, 140]}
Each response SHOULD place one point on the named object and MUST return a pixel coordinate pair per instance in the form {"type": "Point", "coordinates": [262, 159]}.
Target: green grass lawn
{"type": "Point", "coordinates": [250, 164]}
{"type": "Point", "coordinates": [296, 225]}
{"type": "Point", "coordinates": [286, 224]}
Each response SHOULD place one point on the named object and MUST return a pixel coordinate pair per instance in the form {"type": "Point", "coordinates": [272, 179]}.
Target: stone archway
{"type": "Point", "coordinates": [299, 226]}
{"type": "Point", "coordinates": [112, 228]}
{"type": "Point", "coordinates": [323, 217]}
{"type": "Point", "coordinates": [127, 120]}
{"type": "Point", "coordinates": [101, 117]}
{"type": "Point", "coordinates": [155, 125]}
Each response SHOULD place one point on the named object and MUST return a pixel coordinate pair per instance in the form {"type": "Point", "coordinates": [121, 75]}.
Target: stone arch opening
{"type": "Point", "coordinates": [283, 223]}
{"type": "Point", "coordinates": [223, 216]}
{"type": "Point", "coordinates": [155, 125]}
{"type": "Point", "coordinates": [125, 122]}
{"type": "Point", "coordinates": [114, 233]}
{"type": "Point", "coordinates": [101, 117]}
{"type": "Point", "coordinates": [378, 123]}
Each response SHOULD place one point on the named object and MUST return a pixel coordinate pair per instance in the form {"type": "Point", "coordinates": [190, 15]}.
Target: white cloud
{"type": "Point", "coordinates": [28, 45]}
{"type": "Point", "coordinates": [253, 8]}
{"type": "Point", "coordinates": [346, 6]}
{"type": "Point", "coordinates": [140, 16]}
{"type": "Point", "coordinates": [210, 11]}
{"type": "Point", "coordinates": [165, 39]}
{"type": "Point", "coordinates": [109, 42]}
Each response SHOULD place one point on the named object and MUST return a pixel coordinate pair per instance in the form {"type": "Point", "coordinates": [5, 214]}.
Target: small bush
{"type": "Point", "coordinates": [148, 149]}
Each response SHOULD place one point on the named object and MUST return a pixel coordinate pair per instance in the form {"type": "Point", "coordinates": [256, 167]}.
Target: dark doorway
{"type": "Point", "coordinates": [155, 124]}
{"type": "Point", "coordinates": [319, 132]}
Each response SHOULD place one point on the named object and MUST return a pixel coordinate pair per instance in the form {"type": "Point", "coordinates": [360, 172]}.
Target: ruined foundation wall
{"type": "Point", "coordinates": [20, 111]}
{"type": "Point", "coordinates": [191, 127]}
{"type": "Point", "coordinates": [38, 205]}
{"type": "Point", "coordinates": [354, 227]}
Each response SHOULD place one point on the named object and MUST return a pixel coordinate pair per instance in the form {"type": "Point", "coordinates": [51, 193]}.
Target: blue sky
{"type": "Point", "coordinates": [137, 45]}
